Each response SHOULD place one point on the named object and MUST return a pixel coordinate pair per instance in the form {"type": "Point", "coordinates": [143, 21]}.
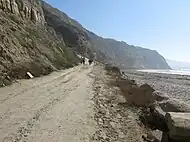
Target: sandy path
{"type": "Point", "coordinates": [74, 105]}
{"type": "Point", "coordinates": [57, 107]}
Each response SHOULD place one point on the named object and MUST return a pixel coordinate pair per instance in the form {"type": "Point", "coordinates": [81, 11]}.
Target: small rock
{"type": "Point", "coordinates": [25, 135]}
{"type": "Point", "coordinates": [119, 116]}
{"type": "Point", "coordinates": [121, 134]}
{"type": "Point", "coordinates": [13, 29]}
{"type": "Point", "coordinates": [113, 124]}
{"type": "Point", "coordinates": [100, 121]}
{"type": "Point", "coordinates": [174, 105]}
{"type": "Point", "coordinates": [107, 139]}
{"type": "Point", "coordinates": [100, 95]}
{"type": "Point", "coordinates": [7, 77]}
{"type": "Point", "coordinates": [148, 138]}
{"type": "Point", "coordinates": [157, 134]}
{"type": "Point", "coordinates": [160, 96]}
{"type": "Point", "coordinates": [101, 105]}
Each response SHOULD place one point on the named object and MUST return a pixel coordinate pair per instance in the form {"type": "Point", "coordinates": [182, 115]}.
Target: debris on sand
{"type": "Point", "coordinates": [30, 75]}
{"type": "Point", "coordinates": [117, 121]}
{"type": "Point", "coordinates": [158, 111]}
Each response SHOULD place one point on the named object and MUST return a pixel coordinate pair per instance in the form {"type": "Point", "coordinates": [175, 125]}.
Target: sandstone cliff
{"type": "Point", "coordinates": [27, 44]}
{"type": "Point", "coordinates": [25, 8]}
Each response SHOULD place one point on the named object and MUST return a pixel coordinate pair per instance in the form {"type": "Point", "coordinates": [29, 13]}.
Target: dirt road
{"type": "Point", "coordinates": [75, 105]}
{"type": "Point", "coordinates": [57, 107]}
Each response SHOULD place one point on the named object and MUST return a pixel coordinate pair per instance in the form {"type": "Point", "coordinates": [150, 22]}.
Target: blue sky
{"type": "Point", "coordinates": [162, 25]}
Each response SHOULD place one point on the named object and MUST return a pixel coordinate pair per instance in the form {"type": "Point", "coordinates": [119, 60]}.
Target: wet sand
{"type": "Point", "coordinates": [176, 86]}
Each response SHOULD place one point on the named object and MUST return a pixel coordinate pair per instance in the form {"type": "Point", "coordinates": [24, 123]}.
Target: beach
{"type": "Point", "coordinates": [176, 86]}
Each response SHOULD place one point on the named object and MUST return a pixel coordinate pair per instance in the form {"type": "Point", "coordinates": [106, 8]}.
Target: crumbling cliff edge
{"type": "Point", "coordinates": [158, 111]}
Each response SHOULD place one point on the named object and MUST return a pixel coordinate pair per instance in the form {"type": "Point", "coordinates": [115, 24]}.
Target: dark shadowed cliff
{"type": "Point", "coordinates": [108, 50]}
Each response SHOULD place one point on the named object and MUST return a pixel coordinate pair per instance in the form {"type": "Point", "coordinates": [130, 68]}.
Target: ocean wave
{"type": "Point", "coordinates": [180, 72]}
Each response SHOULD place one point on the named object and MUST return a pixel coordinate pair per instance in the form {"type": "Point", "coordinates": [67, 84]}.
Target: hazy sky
{"type": "Point", "coordinates": [163, 25]}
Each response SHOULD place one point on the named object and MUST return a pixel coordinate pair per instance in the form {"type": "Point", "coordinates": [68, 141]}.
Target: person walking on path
{"type": "Point", "coordinates": [90, 61]}
{"type": "Point", "coordinates": [83, 61]}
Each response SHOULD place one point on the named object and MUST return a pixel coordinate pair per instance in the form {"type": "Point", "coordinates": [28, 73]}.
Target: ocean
{"type": "Point", "coordinates": [174, 71]}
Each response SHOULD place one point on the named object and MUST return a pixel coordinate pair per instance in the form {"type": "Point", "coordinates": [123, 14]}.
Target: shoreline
{"type": "Point", "coordinates": [176, 86]}
{"type": "Point", "coordinates": [183, 72]}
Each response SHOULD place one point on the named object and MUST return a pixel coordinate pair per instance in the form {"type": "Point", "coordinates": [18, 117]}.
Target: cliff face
{"type": "Point", "coordinates": [128, 56]}
{"type": "Point", "coordinates": [25, 8]}
{"type": "Point", "coordinates": [38, 38]}
{"type": "Point", "coordinates": [27, 44]}
{"type": "Point", "coordinates": [107, 50]}
{"type": "Point", "coordinates": [73, 33]}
